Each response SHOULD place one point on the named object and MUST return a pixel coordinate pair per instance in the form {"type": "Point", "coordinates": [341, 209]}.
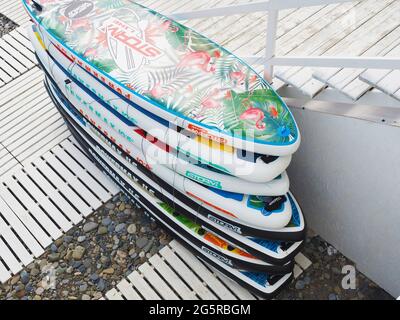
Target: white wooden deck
{"type": "Point", "coordinates": [359, 28]}
{"type": "Point", "coordinates": [174, 273]}
{"type": "Point", "coordinates": [47, 183]}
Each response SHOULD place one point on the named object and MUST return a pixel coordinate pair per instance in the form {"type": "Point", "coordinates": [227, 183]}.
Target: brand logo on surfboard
{"type": "Point", "coordinates": [217, 256]}
{"type": "Point", "coordinates": [79, 9]}
{"type": "Point", "coordinates": [224, 224]}
{"type": "Point", "coordinates": [127, 45]}
{"type": "Point", "coordinates": [204, 133]}
{"type": "Point", "coordinates": [203, 180]}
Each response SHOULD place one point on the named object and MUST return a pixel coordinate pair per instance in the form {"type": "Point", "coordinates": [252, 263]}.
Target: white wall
{"type": "Point", "coordinates": [346, 176]}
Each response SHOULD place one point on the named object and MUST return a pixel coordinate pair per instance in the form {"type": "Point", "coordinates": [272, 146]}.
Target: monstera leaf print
{"type": "Point", "coordinates": [176, 37]}
{"type": "Point", "coordinates": [225, 67]}
{"type": "Point", "coordinates": [263, 101]}
{"type": "Point", "coordinates": [106, 65]}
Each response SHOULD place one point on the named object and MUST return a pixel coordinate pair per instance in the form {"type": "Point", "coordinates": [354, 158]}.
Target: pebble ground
{"type": "Point", "coordinates": [6, 25]}
{"type": "Point", "coordinates": [91, 258]}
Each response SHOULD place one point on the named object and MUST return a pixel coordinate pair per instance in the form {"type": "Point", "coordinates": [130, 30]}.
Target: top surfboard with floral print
{"type": "Point", "coordinates": [171, 65]}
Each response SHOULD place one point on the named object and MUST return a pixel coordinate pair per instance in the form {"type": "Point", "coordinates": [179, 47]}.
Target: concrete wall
{"type": "Point", "coordinates": [346, 177]}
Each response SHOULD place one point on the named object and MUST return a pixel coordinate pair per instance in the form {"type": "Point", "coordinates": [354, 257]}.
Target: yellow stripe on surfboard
{"type": "Point", "coordinates": [213, 144]}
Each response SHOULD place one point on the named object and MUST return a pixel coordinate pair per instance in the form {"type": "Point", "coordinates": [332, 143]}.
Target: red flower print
{"type": "Point", "coordinates": [253, 79]}
{"type": "Point", "coordinates": [273, 112]}
{"type": "Point", "coordinates": [217, 54]}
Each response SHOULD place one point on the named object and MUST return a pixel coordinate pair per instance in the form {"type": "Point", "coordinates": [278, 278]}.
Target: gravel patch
{"type": "Point", "coordinates": [323, 279]}
{"type": "Point", "coordinates": [6, 25]}
{"type": "Point", "coordinates": [91, 258]}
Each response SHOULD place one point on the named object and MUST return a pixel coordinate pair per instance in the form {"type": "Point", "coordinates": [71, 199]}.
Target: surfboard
{"type": "Point", "coordinates": [187, 166]}
{"type": "Point", "coordinates": [171, 71]}
{"type": "Point", "coordinates": [207, 241]}
{"type": "Point", "coordinates": [255, 211]}
{"type": "Point", "coordinates": [270, 251]}
{"type": "Point", "coordinates": [263, 284]}
{"type": "Point", "coordinates": [187, 146]}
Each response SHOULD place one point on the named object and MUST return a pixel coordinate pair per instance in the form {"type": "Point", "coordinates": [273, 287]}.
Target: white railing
{"type": "Point", "coordinates": [269, 60]}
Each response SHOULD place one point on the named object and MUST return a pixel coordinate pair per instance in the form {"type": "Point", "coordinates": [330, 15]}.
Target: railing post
{"type": "Point", "coordinates": [272, 27]}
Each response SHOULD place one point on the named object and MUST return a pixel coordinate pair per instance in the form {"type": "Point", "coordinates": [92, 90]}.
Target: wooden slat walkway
{"type": "Point", "coordinates": [16, 56]}
{"type": "Point", "coordinates": [348, 80]}
{"type": "Point", "coordinates": [13, 10]}
{"type": "Point", "coordinates": [364, 28]}
{"type": "Point", "coordinates": [174, 273]}
{"type": "Point", "coordinates": [352, 33]}
{"type": "Point", "coordinates": [42, 199]}
{"type": "Point", "coordinates": [47, 183]}
{"type": "Point", "coordinates": [387, 81]}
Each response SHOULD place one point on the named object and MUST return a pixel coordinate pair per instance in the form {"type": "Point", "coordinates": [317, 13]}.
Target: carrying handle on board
{"type": "Point", "coordinates": [275, 203]}
{"type": "Point", "coordinates": [37, 6]}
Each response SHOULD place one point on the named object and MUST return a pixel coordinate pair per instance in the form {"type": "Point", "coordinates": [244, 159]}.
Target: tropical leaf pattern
{"type": "Point", "coordinates": [173, 65]}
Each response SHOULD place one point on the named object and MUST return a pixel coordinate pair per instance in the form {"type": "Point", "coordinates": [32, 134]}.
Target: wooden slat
{"type": "Point", "coordinates": [12, 40]}
{"type": "Point", "coordinates": [331, 38]}
{"type": "Point", "coordinates": [113, 294]}
{"type": "Point", "coordinates": [68, 210]}
{"type": "Point", "coordinates": [59, 135]}
{"type": "Point", "coordinates": [4, 274]}
{"type": "Point", "coordinates": [8, 257]}
{"type": "Point", "coordinates": [18, 248]}
{"type": "Point", "coordinates": [127, 290]}
{"type": "Point", "coordinates": [24, 61]}
{"type": "Point", "coordinates": [63, 187]}
{"type": "Point", "coordinates": [143, 287]}
{"type": "Point", "coordinates": [81, 172]}
{"type": "Point", "coordinates": [25, 217]}
{"type": "Point", "coordinates": [198, 287]}
{"type": "Point", "coordinates": [159, 284]}
{"type": "Point", "coordinates": [45, 222]}
{"type": "Point", "coordinates": [390, 83]}
{"type": "Point", "coordinates": [73, 180]}
{"type": "Point", "coordinates": [207, 277]}
{"type": "Point", "coordinates": [42, 199]}
{"type": "Point", "coordinates": [179, 286]}
{"type": "Point", "coordinates": [17, 225]}
{"type": "Point", "coordinates": [297, 271]}
{"type": "Point", "coordinates": [14, 89]}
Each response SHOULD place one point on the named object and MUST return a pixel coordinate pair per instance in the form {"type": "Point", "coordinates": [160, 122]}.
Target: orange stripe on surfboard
{"type": "Point", "coordinates": [211, 205]}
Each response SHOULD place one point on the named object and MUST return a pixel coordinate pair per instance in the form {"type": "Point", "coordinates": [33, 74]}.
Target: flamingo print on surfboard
{"type": "Point", "coordinates": [171, 71]}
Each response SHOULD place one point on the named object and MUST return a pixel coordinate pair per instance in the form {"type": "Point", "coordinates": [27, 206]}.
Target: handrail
{"type": "Point", "coordinates": [269, 60]}
{"type": "Point", "coordinates": [329, 61]}
{"type": "Point", "coordinates": [251, 8]}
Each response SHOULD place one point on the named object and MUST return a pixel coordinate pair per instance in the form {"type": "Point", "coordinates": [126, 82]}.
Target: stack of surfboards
{"type": "Point", "coordinates": [189, 132]}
